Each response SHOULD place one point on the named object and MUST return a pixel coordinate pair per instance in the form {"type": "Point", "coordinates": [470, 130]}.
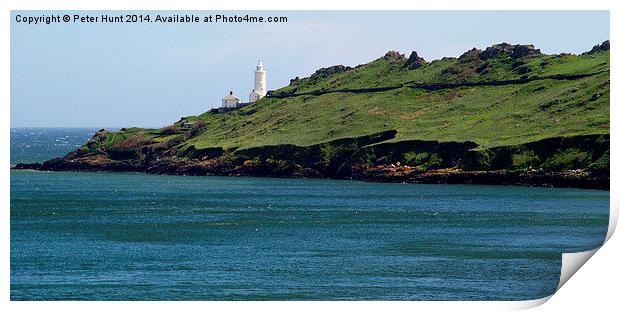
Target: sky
{"type": "Point", "coordinates": [150, 74]}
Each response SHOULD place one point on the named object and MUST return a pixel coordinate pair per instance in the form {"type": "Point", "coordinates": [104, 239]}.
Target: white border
{"type": "Point", "coordinates": [585, 291]}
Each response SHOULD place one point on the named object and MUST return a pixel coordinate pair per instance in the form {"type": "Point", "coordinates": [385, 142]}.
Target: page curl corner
{"type": "Point", "coordinates": [571, 263]}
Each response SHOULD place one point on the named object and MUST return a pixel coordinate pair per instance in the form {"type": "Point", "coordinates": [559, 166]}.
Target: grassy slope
{"type": "Point", "coordinates": [488, 115]}
{"type": "Point", "coordinates": [389, 72]}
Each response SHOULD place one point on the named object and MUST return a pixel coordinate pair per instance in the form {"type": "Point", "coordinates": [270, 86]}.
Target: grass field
{"type": "Point", "coordinates": [487, 115]}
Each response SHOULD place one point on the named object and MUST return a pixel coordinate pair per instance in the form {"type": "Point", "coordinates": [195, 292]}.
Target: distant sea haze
{"type": "Point", "coordinates": [38, 144]}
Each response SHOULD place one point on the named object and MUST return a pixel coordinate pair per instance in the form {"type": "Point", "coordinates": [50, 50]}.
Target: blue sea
{"type": "Point", "coordinates": [131, 236]}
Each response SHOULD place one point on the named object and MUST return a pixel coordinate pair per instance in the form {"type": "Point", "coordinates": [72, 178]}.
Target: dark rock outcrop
{"type": "Point", "coordinates": [501, 177]}
{"type": "Point", "coordinates": [505, 49]}
{"type": "Point", "coordinates": [326, 72]}
{"type": "Point", "coordinates": [294, 81]}
{"type": "Point", "coordinates": [480, 66]}
{"type": "Point", "coordinates": [98, 138]}
{"type": "Point", "coordinates": [414, 61]}
{"type": "Point", "coordinates": [599, 47]}
{"type": "Point", "coordinates": [394, 56]}
{"type": "Point", "coordinates": [471, 55]}
{"type": "Point", "coordinates": [519, 51]}
{"type": "Point", "coordinates": [27, 166]}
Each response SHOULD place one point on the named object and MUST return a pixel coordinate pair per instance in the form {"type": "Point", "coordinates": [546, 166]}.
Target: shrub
{"type": "Point", "coordinates": [170, 130]}
{"type": "Point", "coordinates": [134, 141]}
{"type": "Point", "coordinates": [525, 159]}
{"type": "Point", "coordinates": [475, 160]}
{"type": "Point", "coordinates": [415, 159]}
{"type": "Point", "coordinates": [602, 164]}
{"type": "Point", "coordinates": [199, 127]}
{"type": "Point", "coordinates": [173, 141]}
{"type": "Point", "coordinates": [567, 159]}
{"type": "Point", "coordinates": [435, 161]}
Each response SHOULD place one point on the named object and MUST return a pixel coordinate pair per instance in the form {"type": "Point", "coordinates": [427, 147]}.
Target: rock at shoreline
{"type": "Point", "coordinates": [27, 166]}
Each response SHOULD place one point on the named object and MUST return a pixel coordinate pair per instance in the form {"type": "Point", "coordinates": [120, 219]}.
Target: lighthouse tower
{"type": "Point", "coordinates": [260, 83]}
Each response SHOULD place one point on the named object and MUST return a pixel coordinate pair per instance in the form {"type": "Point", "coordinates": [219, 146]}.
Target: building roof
{"type": "Point", "coordinates": [230, 97]}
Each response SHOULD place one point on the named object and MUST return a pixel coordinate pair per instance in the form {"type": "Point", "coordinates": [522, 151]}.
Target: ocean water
{"type": "Point", "coordinates": [129, 236]}
{"type": "Point", "coordinates": [39, 144]}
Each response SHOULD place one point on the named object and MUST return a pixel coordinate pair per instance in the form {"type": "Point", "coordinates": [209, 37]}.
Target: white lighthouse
{"type": "Point", "coordinates": [260, 83]}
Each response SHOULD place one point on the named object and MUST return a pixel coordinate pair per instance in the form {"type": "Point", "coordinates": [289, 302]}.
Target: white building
{"type": "Point", "coordinates": [260, 83]}
{"type": "Point", "coordinates": [254, 97]}
{"type": "Point", "coordinates": [230, 101]}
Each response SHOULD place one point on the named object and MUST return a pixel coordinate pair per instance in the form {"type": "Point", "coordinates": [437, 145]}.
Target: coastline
{"type": "Point", "coordinates": [580, 180]}
{"type": "Point", "coordinates": [572, 162]}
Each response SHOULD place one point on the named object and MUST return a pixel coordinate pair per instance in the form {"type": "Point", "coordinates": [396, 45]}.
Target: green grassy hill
{"type": "Point", "coordinates": [488, 115]}
{"type": "Point", "coordinates": [504, 107]}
